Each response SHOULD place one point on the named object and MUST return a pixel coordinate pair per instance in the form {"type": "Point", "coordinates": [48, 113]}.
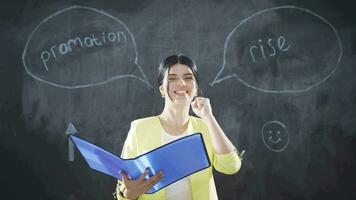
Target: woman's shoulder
{"type": "Point", "coordinates": [196, 121]}
{"type": "Point", "coordinates": [145, 120]}
{"type": "Point", "coordinates": [146, 128]}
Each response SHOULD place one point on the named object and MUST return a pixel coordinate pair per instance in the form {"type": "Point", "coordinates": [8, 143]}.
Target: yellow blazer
{"type": "Point", "coordinates": [145, 135]}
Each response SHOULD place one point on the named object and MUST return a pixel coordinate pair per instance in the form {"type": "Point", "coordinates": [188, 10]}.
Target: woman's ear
{"type": "Point", "coordinates": [161, 91]}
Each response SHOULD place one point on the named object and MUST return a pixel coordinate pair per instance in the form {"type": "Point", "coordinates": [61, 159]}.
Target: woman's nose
{"type": "Point", "coordinates": [182, 82]}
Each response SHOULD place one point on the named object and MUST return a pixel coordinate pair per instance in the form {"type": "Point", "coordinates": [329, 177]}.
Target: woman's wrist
{"type": "Point", "coordinates": [122, 195]}
{"type": "Point", "coordinates": [207, 118]}
{"type": "Point", "coordinates": [121, 191]}
{"type": "Point", "coordinates": [126, 195]}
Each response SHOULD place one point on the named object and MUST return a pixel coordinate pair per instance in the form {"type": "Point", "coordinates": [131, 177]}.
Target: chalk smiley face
{"type": "Point", "coordinates": [275, 136]}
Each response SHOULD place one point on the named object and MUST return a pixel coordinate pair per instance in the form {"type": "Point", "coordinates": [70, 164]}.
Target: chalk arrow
{"type": "Point", "coordinates": [71, 130]}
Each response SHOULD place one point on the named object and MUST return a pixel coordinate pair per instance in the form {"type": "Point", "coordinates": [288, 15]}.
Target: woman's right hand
{"type": "Point", "coordinates": [135, 188]}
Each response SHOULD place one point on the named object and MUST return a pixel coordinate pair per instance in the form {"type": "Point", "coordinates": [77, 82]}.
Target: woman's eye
{"type": "Point", "coordinates": [188, 78]}
{"type": "Point", "coordinates": [171, 79]}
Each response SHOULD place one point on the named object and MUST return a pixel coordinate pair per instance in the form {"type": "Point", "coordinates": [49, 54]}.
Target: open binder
{"type": "Point", "coordinates": [176, 159]}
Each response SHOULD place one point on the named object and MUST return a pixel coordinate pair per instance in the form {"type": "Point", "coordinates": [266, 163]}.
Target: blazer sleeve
{"type": "Point", "coordinates": [129, 150]}
{"type": "Point", "coordinates": [228, 163]}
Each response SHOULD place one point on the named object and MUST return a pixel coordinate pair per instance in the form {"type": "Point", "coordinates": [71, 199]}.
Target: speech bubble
{"type": "Point", "coordinates": [283, 49]}
{"type": "Point", "coordinates": [81, 47]}
{"type": "Point", "coordinates": [275, 136]}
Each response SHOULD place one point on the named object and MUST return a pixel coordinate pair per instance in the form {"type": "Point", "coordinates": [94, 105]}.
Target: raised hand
{"type": "Point", "coordinates": [135, 188]}
{"type": "Point", "coordinates": [201, 107]}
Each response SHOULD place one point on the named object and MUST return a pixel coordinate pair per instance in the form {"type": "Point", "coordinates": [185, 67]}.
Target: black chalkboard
{"type": "Point", "coordinates": [280, 76]}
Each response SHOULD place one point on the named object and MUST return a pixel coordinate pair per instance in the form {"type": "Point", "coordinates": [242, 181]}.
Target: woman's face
{"type": "Point", "coordinates": [179, 84]}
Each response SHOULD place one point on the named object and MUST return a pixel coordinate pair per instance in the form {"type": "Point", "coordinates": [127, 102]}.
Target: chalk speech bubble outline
{"type": "Point", "coordinates": [219, 79]}
{"type": "Point", "coordinates": [144, 79]}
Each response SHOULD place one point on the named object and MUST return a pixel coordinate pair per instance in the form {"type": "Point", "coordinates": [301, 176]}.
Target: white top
{"type": "Point", "coordinates": [179, 190]}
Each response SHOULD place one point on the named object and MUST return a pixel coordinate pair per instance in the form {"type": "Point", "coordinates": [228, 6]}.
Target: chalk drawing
{"type": "Point", "coordinates": [72, 44]}
{"type": "Point", "coordinates": [275, 136]}
{"type": "Point", "coordinates": [261, 50]}
{"type": "Point", "coordinates": [71, 130]}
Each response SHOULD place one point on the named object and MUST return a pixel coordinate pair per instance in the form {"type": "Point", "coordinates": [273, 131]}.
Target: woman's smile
{"type": "Point", "coordinates": [179, 83]}
{"type": "Point", "coordinates": [181, 93]}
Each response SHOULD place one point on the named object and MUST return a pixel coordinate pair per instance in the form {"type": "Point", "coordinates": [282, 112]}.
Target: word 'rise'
{"type": "Point", "coordinates": [272, 47]}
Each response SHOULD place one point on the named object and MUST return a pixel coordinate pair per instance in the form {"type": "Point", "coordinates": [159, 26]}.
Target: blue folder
{"type": "Point", "coordinates": [176, 159]}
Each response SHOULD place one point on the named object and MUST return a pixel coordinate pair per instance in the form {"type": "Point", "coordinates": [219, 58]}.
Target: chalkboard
{"type": "Point", "coordinates": [280, 76]}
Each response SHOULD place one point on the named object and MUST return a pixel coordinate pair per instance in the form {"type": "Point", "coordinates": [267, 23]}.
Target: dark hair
{"type": "Point", "coordinates": [168, 62]}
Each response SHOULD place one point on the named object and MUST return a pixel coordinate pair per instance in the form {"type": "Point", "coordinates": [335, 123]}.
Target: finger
{"type": "Point", "coordinates": [200, 104]}
{"type": "Point", "coordinates": [199, 98]}
{"type": "Point", "coordinates": [194, 104]}
{"type": "Point", "coordinates": [143, 175]}
{"type": "Point", "coordinates": [153, 180]}
{"type": "Point", "coordinates": [203, 100]}
{"type": "Point", "coordinates": [124, 176]}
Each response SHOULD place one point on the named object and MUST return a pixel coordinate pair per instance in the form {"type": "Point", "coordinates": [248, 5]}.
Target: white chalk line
{"type": "Point", "coordinates": [143, 80]}
{"type": "Point", "coordinates": [219, 79]}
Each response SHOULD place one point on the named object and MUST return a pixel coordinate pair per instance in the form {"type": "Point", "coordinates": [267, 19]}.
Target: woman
{"type": "Point", "coordinates": [178, 84]}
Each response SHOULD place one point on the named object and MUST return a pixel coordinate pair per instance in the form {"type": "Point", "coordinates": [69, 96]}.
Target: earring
{"type": "Point", "coordinates": [162, 95]}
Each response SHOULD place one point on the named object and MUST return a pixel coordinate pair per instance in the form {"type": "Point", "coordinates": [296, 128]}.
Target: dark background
{"type": "Point", "coordinates": [317, 163]}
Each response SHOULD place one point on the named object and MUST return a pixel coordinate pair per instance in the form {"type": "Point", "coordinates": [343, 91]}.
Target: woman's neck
{"type": "Point", "coordinates": [175, 118]}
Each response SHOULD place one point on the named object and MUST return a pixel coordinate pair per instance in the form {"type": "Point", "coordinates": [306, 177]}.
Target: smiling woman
{"type": "Point", "coordinates": [178, 84]}
{"type": "Point", "coordinates": [181, 82]}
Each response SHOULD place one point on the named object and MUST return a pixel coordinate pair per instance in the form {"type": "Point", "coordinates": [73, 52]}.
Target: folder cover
{"type": "Point", "coordinates": [176, 159]}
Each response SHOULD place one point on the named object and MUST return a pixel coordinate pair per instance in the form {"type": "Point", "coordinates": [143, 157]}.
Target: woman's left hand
{"type": "Point", "coordinates": [201, 107]}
